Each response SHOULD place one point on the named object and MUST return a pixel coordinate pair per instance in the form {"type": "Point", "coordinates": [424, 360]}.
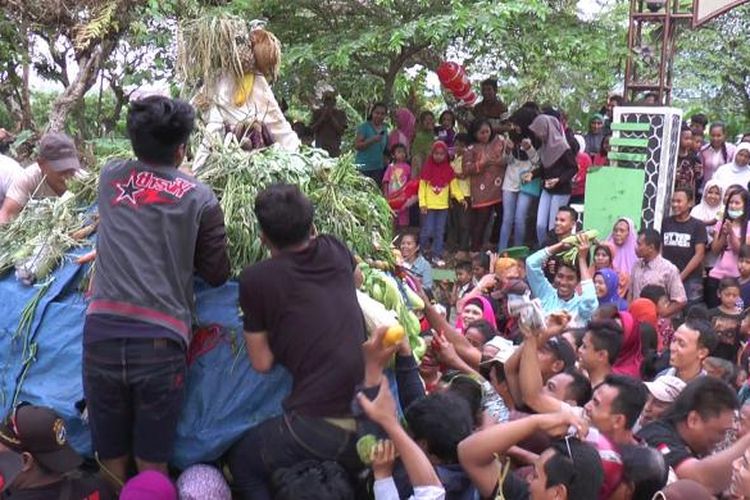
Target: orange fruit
{"type": "Point", "coordinates": [393, 335]}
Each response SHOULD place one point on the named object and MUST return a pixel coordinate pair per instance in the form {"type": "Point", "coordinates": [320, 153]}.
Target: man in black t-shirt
{"type": "Point", "coordinates": [689, 430]}
{"type": "Point", "coordinates": [684, 243]}
{"type": "Point", "coordinates": [300, 311]}
{"type": "Point", "coordinates": [37, 463]}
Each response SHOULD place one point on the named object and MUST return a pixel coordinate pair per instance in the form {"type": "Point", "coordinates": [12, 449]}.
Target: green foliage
{"type": "Point", "coordinates": [93, 110]}
{"type": "Point", "coordinates": [712, 69]}
{"type": "Point", "coordinates": [362, 47]}
{"type": "Point", "coordinates": [558, 59]}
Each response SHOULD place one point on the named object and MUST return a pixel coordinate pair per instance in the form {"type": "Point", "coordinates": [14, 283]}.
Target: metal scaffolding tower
{"type": "Point", "coordinates": [651, 36]}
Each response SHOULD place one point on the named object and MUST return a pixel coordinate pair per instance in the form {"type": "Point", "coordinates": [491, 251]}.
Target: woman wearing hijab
{"type": "Point", "coordinates": [404, 131]}
{"type": "Point", "coordinates": [475, 309]}
{"type": "Point", "coordinates": [644, 311]}
{"type": "Point", "coordinates": [558, 169]}
{"type": "Point", "coordinates": [437, 185]}
{"type": "Point", "coordinates": [629, 359]}
{"type": "Point", "coordinates": [595, 135]}
{"type": "Point", "coordinates": [645, 314]}
{"type": "Point", "coordinates": [623, 239]}
{"type": "Point", "coordinates": [736, 171]}
{"type": "Point", "coordinates": [710, 211]}
{"type": "Point", "coordinates": [606, 283]}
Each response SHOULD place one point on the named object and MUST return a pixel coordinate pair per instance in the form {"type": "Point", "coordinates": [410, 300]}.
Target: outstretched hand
{"type": "Point", "coordinates": [558, 424]}
{"type": "Point", "coordinates": [383, 458]}
{"type": "Point", "coordinates": [557, 322]}
{"type": "Point", "coordinates": [584, 245]}
{"type": "Point", "coordinates": [445, 350]}
{"type": "Point", "coordinates": [377, 355]}
{"type": "Point", "coordinates": [381, 410]}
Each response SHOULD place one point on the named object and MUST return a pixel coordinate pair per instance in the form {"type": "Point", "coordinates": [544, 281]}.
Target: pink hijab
{"type": "Point", "coordinates": [488, 313]}
{"type": "Point", "coordinates": [625, 257]}
{"type": "Point", "coordinates": [403, 133]}
{"type": "Point", "coordinates": [630, 357]}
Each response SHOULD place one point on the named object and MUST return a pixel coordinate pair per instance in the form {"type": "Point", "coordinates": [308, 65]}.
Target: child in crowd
{"type": "Point", "coordinates": [689, 167]}
{"type": "Point", "coordinates": [463, 283]}
{"type": "Point", "coordinates": [446, 130]}
{"type": "Point", "coordinates": [743, 264]}
{"type": "Point", "coordinates": [458, 221]}
{"type": "Point", "coordinates": [396, 185]}
{"type": "Point", "coordinates": [664, 330]}
{"type": "Point", "coordinates": [602, 257]}
{"type": "Point", "coordinates": [600, 158]}
{"type": "Point", "coordinates": [744, 356]}
{"type": "Point", "coordinates": [584, 162]}
{"type": "Point", "coordinates": [726, 319]}
{"type": "Point", "coordinates": [480, 267]}
{"type": "Point", "coordinates": [423, 139]}
{"type": "Point", "coordinates": [437, 184]}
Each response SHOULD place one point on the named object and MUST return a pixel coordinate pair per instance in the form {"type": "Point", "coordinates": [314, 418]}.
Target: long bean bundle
{"type": "Point", "coordinates": [38, 239]}
{"type": "Point", "coordinates": [347, 204]}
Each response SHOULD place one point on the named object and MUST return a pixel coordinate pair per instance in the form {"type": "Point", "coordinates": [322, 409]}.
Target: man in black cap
{"type": "Point", "coordinates": [36, 460]}
{"type": "Point", "coordinates": [47, 178]}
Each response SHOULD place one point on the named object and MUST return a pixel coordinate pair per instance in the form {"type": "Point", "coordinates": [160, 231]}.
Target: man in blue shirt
{"type": "Point", "coordinates": [561, 295]}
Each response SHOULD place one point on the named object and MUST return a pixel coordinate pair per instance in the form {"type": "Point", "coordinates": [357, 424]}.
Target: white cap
{"type": "Point", "coordinates": [666, 388]}
{"type": "Point", "coordinates": [505, 349]}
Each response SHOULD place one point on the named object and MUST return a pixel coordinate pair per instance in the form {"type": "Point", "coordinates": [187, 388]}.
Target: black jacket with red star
{"type": "Point", "coordinates": [157, 227]}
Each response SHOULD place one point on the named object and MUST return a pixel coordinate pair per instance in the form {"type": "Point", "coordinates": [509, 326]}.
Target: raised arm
{"type": "Point", "coordinates": [589, 302]}
{"type": "Point", "coordinates": [531, 381]}
{"type": "Point", "coordinates": [383, 412]}
{"type": "Point", "coordinates": [465, 350]}
{"type": "Point", "coordinates": [715, 471]}
{"type": "Point", "coordinates": [477, 453]}
{"type": "Point", "coordinates": [538, 283]}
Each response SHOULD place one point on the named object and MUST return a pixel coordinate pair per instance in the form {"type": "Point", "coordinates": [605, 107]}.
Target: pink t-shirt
{"type": "Point", "coordinates": [396, 175]}
{"type": "Point", "coordinates": [726, 265]}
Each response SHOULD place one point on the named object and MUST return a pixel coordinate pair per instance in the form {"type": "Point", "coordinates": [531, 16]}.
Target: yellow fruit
{"type": "Point", "coordinates": [393, 335]}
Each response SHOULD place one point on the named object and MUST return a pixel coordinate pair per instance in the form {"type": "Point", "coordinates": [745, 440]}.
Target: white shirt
{"type": "Point", "coordinates": [261, 105]}
{"type": "Point", "coordinates": [730, 174]}
{"type": "Point", "coordinates": [30, 184]}
{"type": "Point", "coordinates": [9, 171]}
{"type": "Point", "coordinates": [385, 489]}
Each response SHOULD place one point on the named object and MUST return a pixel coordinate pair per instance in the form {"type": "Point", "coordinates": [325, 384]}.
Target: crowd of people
{"type": "Point", "coordinates": [619, 374]}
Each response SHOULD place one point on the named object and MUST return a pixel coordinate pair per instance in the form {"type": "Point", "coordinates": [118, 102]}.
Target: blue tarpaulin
{"type": "Point", "coordinates": [225, 397]}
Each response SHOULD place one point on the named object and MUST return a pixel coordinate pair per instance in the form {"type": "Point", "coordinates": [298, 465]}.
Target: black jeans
{"type": "Point", "coordinates": [480, 217]}
{"type": "Point", "coordinates": [134, 392]}
{"type": "Point", "coordinates": [458, 228]}
{"type": "Point", "coordinates": [282, 442]}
